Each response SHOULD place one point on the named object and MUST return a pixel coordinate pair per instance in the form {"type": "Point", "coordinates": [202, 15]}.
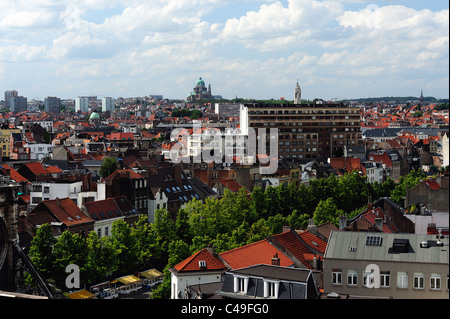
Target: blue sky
{"type": "Point", "coordinates": [249, 48]}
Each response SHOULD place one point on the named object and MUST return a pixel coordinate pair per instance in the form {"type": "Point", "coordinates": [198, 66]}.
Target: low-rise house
{"type": "Point", "coordinates": [61, 214]}
{"type": "Point", "coordinates": [269, 282]}
{"type": "Point", "coordinates": [105, 212]}
{"type": "Point", "coordinates": [380, 265]}
{"type": "Point", "coordinates": [203, 267]}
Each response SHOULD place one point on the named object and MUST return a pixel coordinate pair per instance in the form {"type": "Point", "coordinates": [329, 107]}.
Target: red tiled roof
{"type": "Point", "coordinates": [13, 173]}
{"type": "Point", "coordinates": [37, 168]}
{"type": "Point", "coordinates": [65, 210]}
{"type": "Point", "coordinates": [231, 184]}
{"type": "Point", "coordinates": [432, 184]}
{"type": "Point", "coordinates": [300, 245]}
{"type": "Point", "coordinates": [192, 263]}
{"type": "Point", "coordinates": [260, 252]}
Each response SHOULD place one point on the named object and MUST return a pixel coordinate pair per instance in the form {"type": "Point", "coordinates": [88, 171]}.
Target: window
{"type": "Point", "coordinates": [435, 282]}
{"type": "Point", "coordinates": [352, 278]}
{"type": "Point", "coordinates": [106, 231]}
{"type": "Point", "coordinates": [402, 280]}
{"type": "Point", "coordinates": [374, 241]}
{"type": "Point", "coordinates": [271, 289]}
{"type": "Point", "coordinates": [385, 279]}
{"type": "Point", "coordinates": [418, 280]}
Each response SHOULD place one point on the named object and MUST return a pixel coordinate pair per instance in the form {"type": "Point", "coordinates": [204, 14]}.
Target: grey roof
{"type": "Point", "coordinates": [340, 242]}
{"type": "Point", "coordinates": [393, 132]}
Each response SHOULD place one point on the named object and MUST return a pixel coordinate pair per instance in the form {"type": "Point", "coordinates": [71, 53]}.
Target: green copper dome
{"type": "Point", "coordinates": [200, 82]}
{"type": "Point", "coordinates": [94, 116]}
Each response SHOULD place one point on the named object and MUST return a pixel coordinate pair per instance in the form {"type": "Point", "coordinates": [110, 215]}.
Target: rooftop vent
{"type": "Point", "coordinates": [400, 245]}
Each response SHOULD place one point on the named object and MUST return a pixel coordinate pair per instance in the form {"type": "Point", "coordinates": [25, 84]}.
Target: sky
{"type": "Point", "coordinates": [335, 49]}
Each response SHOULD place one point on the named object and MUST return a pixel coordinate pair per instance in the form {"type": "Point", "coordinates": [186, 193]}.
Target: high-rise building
{"type": "Point", "coordinates": [18, 104]}
{"type": "Point", "coordinates": [9, 94]}
{"type": "Point", "coordinates": [305, 131]}
{"type": "Point", "coordinates": [108, 104]}
{"type": "Point", "coordinates": [52, 104]}
{"type": "Point", "coordinates": [82, 104]}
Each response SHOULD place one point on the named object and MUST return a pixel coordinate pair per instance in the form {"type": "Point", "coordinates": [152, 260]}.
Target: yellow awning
{"type": "Point", "coordinates": [81, 294]}
{"type": "Point", "coordinates": [127, 280]}
{"type": "Point", "coordinates": [152, 273]}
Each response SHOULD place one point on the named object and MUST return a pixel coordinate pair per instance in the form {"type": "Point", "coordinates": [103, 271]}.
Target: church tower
{"type": "Point", "coordinates": [297, 94]}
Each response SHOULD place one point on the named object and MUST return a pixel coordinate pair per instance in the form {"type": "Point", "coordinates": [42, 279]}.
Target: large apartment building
{"type": "Point", "coordinates": [305, 130]}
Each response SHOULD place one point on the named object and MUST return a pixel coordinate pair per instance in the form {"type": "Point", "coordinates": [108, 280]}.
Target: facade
{"type": "Point", "coordinates": [269, 282]}
{"type": "Point", "coordinates": [305, 131]}
{"type": "Point", "coordinates": [202, 267]}
{"type": "Point", "coordinates": [381, 265]}
{"type": "Point", "coordinates": [18, 104]}
{"type": "Point", "coordinates": [81, 104]}
{"type": "Point", "coordinates": [5, 135]}
{"type": "Point", "coordinates": [52, 104]}
{"type": "Point", "coordinates": [9, 94]}
{"type": "Point", "coordinates": [200, 92]}
{"type": "Point", "coordinates": [108, 104]}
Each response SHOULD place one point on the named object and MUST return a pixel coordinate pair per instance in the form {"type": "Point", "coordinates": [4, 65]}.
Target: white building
{"type": "Point", "coordinates": [108, 104]}
{"type": "Point", "coordinates": [50, 190]}
{"type": "Point", "coordinates": [82, 104]}
{"type": "Point", "coordinates": [201, 268]}
{"type": "Point", "coordinates": [39, 151]}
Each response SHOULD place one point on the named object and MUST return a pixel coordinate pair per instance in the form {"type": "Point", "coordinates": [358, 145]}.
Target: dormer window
{"type": "Point", "coordinates": [240, 284]}
{"type": "Point", "coordinates": [202, 264]}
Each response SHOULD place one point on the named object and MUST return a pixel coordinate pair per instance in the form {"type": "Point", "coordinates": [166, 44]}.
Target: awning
{"type": "Point", "coordinates": [128, 280]}
{"type": "Point", "coordinates": [152, 274]}
{"type": "Point", "coordinates": [81, 294]}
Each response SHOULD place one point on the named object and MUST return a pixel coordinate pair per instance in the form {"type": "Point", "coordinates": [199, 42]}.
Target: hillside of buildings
{"type": "Point", "coordinates": [95, 182]}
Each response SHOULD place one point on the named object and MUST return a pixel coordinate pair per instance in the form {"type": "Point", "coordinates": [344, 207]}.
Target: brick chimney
{"type": "Point", "coordinates": [276, 260]}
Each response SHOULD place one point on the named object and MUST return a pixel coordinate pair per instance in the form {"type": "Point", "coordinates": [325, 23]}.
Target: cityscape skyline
{"type": "Point", "coordinates": [249, 49]}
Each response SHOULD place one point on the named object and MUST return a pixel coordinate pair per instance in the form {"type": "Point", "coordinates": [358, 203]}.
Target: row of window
{"type": "Point", "coordinates": [402, 279]}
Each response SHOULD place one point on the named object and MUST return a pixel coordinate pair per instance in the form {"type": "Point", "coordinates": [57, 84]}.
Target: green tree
{"type": "Point", "coordinates": [69, 249]}
{"type": "Point", "coordinates": [101, 258]}
{"type": "Point", "coordinates": [41, 251]}
{"type": "Point", "coordinates": [327, 211]}
{"type": "Point", "coordinates": [124, 244]}
{"type": "Point", "coordinates": [109, 166]}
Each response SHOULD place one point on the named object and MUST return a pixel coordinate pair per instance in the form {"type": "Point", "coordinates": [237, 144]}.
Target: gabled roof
{"type": "Point", "coordinates": [432, 184]}
{"type": "Point", "coordinates": [260, 252]}
{"type": "Point", "coordinates": [37, 168]}
{"type": "Point", "coordinates": [302, 246]}
{"type": "Point", "coordinates": [193, 262]}
{"type": "Point", "coordinates": [231, 184]}
{"type": "Point", "coordinates": [64, 210]}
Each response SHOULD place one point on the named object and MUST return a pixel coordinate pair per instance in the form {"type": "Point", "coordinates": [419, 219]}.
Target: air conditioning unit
{"type": "Point", "coordinates": [424, 244]}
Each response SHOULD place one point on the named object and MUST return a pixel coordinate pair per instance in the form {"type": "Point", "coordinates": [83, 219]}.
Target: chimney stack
{"type": "Point", "coordinates": [312, 228]}
{"type": "Point", "coordinates": [342, 222]}
{"type": "Point", "coordinates": [276, 260]}
{"type": "Point", "coordinates": [379, 223]}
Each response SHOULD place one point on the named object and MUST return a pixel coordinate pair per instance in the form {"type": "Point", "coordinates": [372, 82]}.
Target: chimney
{"type": "Point", "coordinates": [369, 203]}
{"type": "Point", "coordinates": [312, 228]}
{"type": "Point", "coordinates": [276, 260]}
{"type": "Point", "coordinates": [379, 223]}
{"type": "Point", "coordinates": [342, 222]}
{"type": "Point", "coordinates": [177, 173]}
{"type": "Point", "coordinates": [211, 250]}
{"type": "Point", "coordinates": [286, 228]}
{"type": "Point", "coordinates": [315, 262]}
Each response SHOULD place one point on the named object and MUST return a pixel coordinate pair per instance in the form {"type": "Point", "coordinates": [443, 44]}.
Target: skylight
{"type": "Point", "coordinates": [374, 240]}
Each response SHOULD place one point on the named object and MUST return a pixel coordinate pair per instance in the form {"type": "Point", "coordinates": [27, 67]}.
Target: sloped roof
{"type": "Point", "coordinates": [64, 210]}
{"type": "Point", "coordinates": [231, 184]}
{"type": "Point", "coordinates": [260, 252]}
{"type": "Point", "coordinates": [192, 263]}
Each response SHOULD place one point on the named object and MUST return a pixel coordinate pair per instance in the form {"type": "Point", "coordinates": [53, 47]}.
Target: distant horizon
{"type": "Point", "coordinates": [335, 49]}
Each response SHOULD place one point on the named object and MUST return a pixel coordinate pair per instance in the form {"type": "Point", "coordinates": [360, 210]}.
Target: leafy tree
{"type": "Point", "coordinates": [41, 250]}
{"type": "Point", "coordinates": [69, 249]}
{"type": "Point", "coordinates": [109, 166]}
{"type": "Point", "coordinates": [327, 211]}
{"type": "Point", "coordinates": [124, 244]}
{"type": "Point", "coordinates": [101, 257]}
